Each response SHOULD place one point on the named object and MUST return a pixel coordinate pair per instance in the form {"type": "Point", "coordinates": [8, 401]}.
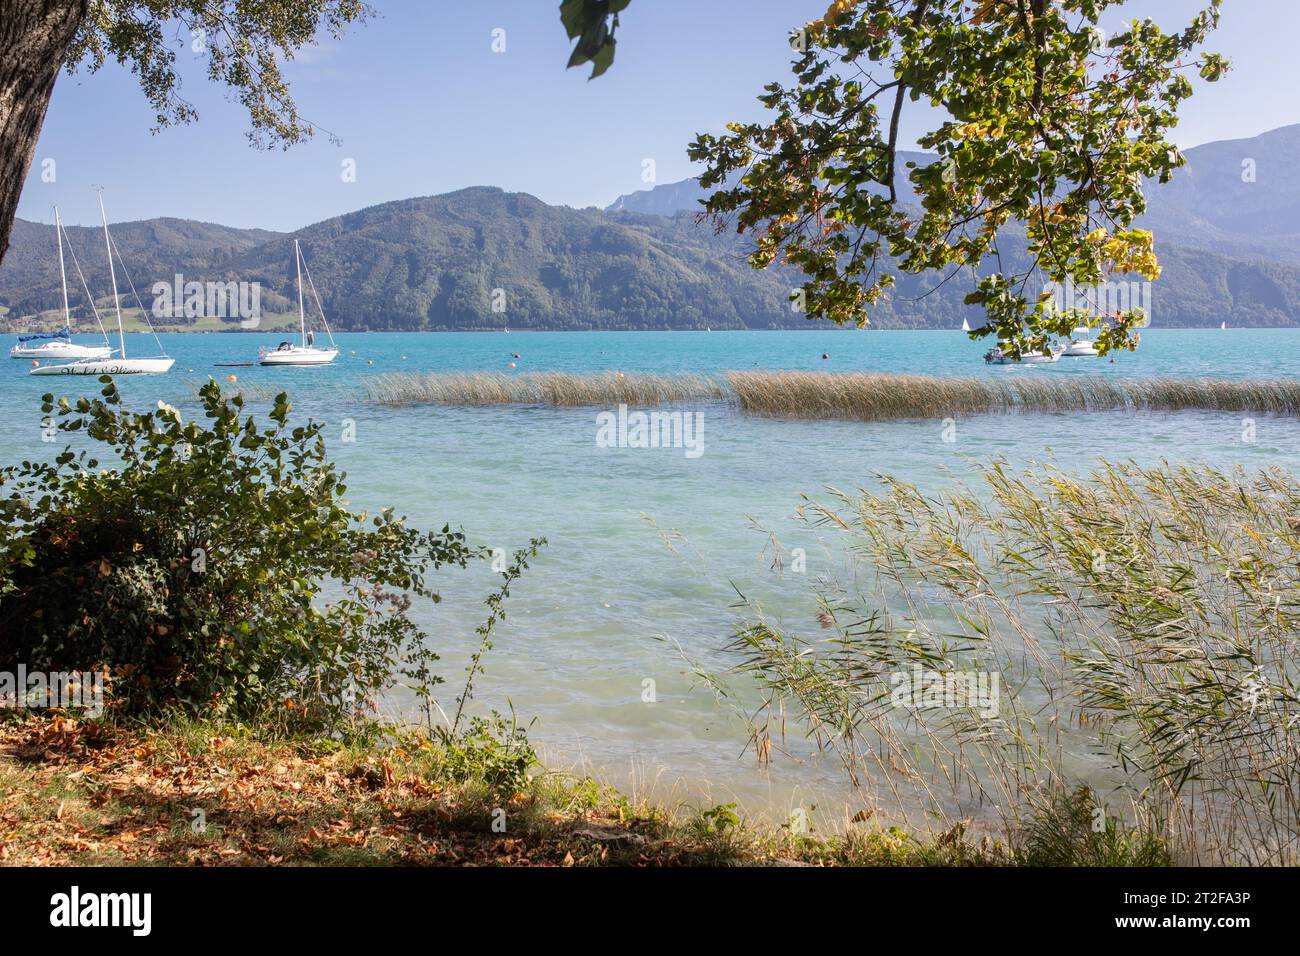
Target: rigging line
{"type": "Point", "coordinates": [144, 313]}
{"type": "Point", "coordinates": [86, 288]}
{"type": "Point", "coordinates": [325, 322]}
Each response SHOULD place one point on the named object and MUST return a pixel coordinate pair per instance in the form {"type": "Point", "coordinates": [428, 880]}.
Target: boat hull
{"type": "Point", "coordinates": [1034, 359]}
{"type": "Point", "coordinates": [1075, 350]}
{"type": "Point", "coordinates": [298, 356]}
{"type": "Point", "coordinates": [140, 366]}
{"type": "Point", "coordinates": [61, 352]}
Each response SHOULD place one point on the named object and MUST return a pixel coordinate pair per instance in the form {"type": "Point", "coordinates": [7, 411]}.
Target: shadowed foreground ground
{"type": "Point", "coordinates": [87, 793]}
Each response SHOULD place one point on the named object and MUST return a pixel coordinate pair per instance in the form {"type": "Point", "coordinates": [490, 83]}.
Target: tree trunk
{"type": "Point", "coordinates": [34, 36]}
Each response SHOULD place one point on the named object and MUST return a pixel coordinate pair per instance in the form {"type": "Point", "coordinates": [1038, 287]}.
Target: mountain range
{"type": "Point", "coordinates": [1227, 234]}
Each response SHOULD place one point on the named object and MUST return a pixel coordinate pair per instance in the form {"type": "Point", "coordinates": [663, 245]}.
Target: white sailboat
{"type": "Point", "coordinates": [306, 352]}
{"type": "Point", "coordinates": [1080, 344]}
{"type": "Point", "coordinates": [58, 345]}
{"type": "Point", "coordinates": [1223, 325]}
{"type": "Point", "coordinates": [121, 365]}
{"type": "Point", "coordinates": [965, 325]}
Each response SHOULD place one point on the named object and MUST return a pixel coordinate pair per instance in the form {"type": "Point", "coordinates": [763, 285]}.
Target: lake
{"type": "Point", "coordinates": [648, 547]}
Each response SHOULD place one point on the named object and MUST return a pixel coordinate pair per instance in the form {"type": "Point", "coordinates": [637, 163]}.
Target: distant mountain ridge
{"type": "Point", "coordinates": [483, 258]}
{"type": "Point", "coordinates": [1242, 193]}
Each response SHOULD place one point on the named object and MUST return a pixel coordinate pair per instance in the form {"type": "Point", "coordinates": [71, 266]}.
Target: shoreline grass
{"type": "Point", "coordinates": [182, 792]}
{"type": "Point", "coordinates": [858, 396]}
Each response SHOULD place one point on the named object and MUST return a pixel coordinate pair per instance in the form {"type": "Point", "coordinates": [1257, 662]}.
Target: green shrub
{"type": "Point", "coordinates": [495, 751]}
{"type": "Point", "coordinates": [719, 819]}
{"type": "Point", "coordinates": [196, 570]}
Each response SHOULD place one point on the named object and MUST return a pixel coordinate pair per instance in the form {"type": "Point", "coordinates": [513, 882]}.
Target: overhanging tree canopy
{"type": "Point", "coordinates": [245, 42]}
{"type": "Point", "coordinates": [1051, 125]}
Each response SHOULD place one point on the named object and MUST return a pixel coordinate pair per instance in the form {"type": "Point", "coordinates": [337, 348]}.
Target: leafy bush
{"type": "Point", "coordinates": [719, 819]}
{"type": "Point", "coordinates": [197, 569]}
{"type": "Point", "coordinates": [495, 751]}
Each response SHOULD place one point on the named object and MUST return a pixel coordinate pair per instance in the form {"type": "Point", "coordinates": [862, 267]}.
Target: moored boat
{"type": "Point", "coordinates": [287, 353]}
{"type": "Point", "coordinates": [56, 346]}
{"type": "Point", "coordinates": [109, 366]}
{"type": "Point", "coordinates": [998, 357]}
{"type": "Point", "coordinates": [305, 352]}
{"type": "Point", "coordinates": [59, 347]}
{"type": "Point", "coordinates": [112, 366]}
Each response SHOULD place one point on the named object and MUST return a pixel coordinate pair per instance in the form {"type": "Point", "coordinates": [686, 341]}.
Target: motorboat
{"type": "Point", "coordinates": [999, 357]}
{"type": "Point", "coordinates": [1080, 347]}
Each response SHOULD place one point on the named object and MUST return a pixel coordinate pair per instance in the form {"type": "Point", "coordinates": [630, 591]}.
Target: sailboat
{"type": "Point", "coordinates": [120, 365]}
{"type": "Point", "coordinates": [58, 345]}
{"type": "Point", "coordinates": [305, 353]}
{"type": "Point", "coordinates": [965, 325]}
{"type": "Point", "coordinates": [1080, 344]}
{"type": "Point", "coordinates": [1223, 325]}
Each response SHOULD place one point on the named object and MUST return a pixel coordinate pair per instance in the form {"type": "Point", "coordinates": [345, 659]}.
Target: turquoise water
{"type": "Point", "coordinates": [1234, 353]}
{"type": "Point", "coordinates": [646, 545]}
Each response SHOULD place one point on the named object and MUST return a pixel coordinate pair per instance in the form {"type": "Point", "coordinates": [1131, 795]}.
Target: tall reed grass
{"type": "Point", "coordinates": [1149, 618]}
{"type": "Point", "coordinates": [842, 395]}
{"type": "Point", "coordinates": [872, 396]}
{"type": "Point", "coordinates": [540, 388]}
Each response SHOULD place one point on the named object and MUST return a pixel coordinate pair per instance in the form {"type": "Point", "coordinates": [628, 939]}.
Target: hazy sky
{"type": "Point", "coordinates": [423, 105]}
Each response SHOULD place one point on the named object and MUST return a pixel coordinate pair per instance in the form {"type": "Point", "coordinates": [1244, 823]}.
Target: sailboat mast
{"type": "Point", "coordinates": [302, 313]}
{"type": "Point", "coordinates": [63, 274]}
{"type": "Point", "coordinates": [112, 275]}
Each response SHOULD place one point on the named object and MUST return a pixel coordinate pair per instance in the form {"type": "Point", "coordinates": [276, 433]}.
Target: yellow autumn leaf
{"type": "Point", "coordinates": [833, 13]}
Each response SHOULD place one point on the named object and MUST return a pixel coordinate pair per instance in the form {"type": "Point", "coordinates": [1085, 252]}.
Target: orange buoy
{"type": "Point", "coordinates": [512, 364]}
{"type": "Point", "coordinates": [35, 364]}
{"type": "Point", "coordinates": [230, 378]}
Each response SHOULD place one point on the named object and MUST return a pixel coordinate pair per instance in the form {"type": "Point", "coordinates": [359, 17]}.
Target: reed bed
{"type": "Point", "coordinates": [860, 396]}
{"type": "Point", "coordinates": [875, 396]}
{"type": "Point", "coordinates": [559, 389]}
{"type": "Point", "coordinates": [1147, 617]}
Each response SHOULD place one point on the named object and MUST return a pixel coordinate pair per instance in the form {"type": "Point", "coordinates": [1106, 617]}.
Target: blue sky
{"type": "Point", "coordinates": [423, 105]}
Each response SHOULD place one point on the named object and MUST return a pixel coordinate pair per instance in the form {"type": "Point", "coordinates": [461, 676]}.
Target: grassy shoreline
{"type": "Point", "coordinates": [181, 792]}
